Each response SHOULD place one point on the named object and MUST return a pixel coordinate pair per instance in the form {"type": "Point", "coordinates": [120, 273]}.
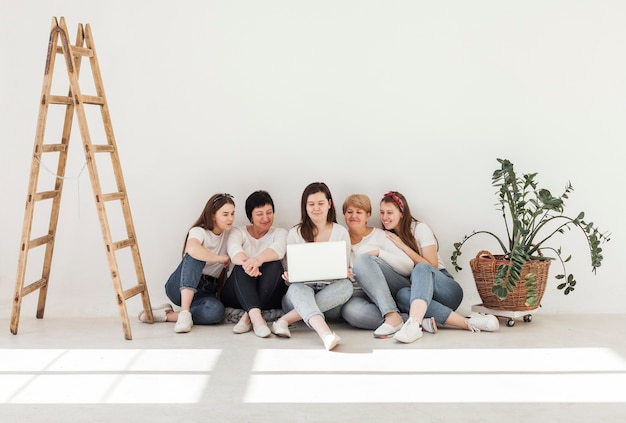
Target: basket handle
{"type": "Point", "coordinates": [486, 254]}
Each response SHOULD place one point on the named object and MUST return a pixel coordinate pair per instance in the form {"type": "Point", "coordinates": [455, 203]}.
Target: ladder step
{"type": "Point", "coordinates": [59, 99]}
{"type": "Point", "coordinates": [40, 241]}
{"type": "Point", "coordinates": [66, 100]}
{"type": "Point", "coordinates": [102, 148]}
{"type": "Point", "coordinates": [46, 195]}
{"type": "Point", "coordinates": [114, 196]}
{"type": "Point", "coordinates": [92, 99]}
{"type": "Point", "coordinates": [123, 244]}
{"type": "Point", "coordinates": [131, 292]}
{"type": "Point", "coordinates": [77, 51]}
{"type": "Point", "coordinates": [54, 148]}
{"type": "Point", "coordinates": [33, 286]}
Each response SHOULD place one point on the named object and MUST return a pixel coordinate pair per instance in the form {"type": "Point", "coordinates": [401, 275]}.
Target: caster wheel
{"type": "Point", "coordinates": [528, 318]}
{"type": "Point", "coordinates": [510, 322]}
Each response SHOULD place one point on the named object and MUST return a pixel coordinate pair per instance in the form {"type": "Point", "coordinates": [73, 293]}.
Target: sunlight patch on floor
{"type": "Point", "coordinates": [63, 376]}
{"type": "Point", "coordinates": [460, 376]}
{"type": "Point", "coordinates": [132, 376]}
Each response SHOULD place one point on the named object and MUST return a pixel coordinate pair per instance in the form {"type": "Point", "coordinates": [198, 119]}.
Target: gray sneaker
{"type": "Point", "coordinates": [429, 325]}
{"type": "Point", "coordinates": [184, 322]}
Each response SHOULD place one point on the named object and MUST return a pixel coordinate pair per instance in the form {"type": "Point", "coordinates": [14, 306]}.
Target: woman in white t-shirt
{"type": "Point", "coordinates": [193, 285]}
{"type": "Point", "coordinates": [311, 299]}
{"type": "Point", "coordinates": [380, 269]}
{"type": "Point", "coordinates": [433, 291]}
{"type": "Point", "coordinates": [256, 251]}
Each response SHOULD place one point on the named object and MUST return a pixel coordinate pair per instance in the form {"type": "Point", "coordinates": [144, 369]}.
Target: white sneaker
{"type": "Point", "coordinates": [483, 322]}
{"type": "Point", "coordinates": [159, 314]}
{"type": "Point", "coordinates": [411, 331]}
{"type": "Point", "coordinates": [184, 322]}
{"type": "Point", "coordinates": [429, 325]}
{"type": "Point", "coordinates": [281, 328]}
{"type": "Point", "coordinates": [331, 340]}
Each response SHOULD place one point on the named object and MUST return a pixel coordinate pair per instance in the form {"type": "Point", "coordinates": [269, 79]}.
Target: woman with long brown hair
{"type": "Point", "coordinates": [433, 291]}
{"type": "Point", "coordinates": [311, 299]}
{"type": "Point", "coordinates": [193, 285]}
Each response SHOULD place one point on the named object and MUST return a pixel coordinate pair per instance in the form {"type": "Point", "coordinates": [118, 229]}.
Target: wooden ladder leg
{"type": "Point", "coordinates": [110, 148]}
{"type": "Point", "coordinates": [34, 197]}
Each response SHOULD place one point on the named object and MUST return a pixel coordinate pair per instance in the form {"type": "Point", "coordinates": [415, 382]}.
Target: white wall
{"type": "Point", "coordinates": [421, 97]}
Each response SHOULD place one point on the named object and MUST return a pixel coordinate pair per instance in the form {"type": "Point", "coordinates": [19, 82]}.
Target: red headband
{"type": "Point", "coordinates": [396, 200]}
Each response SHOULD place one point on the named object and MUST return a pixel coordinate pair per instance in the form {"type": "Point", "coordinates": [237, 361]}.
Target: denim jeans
{"type": "Point", "coordinates": [264, 292]}
{"type": "Point", "coordinates": [205, 308]}
{"type": "Point", "coordinates": [380, 284]}
{"type": "Point", "coordinates": [435, 286]}
{"type": "Point", "coordinates": [310, 299]}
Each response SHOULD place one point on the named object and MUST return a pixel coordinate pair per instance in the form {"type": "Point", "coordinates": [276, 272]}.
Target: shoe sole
{"type": "Point", "coordinates": [282, 335]}
{"type": "Point", "coordinates": [407, 341]}
{"type": "Point", "coordinates": [384, 336]}
{"type": "Point", "coordinates": [433, 325]}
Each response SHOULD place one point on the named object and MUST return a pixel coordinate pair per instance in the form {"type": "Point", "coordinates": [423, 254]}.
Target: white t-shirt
{"type": "Point", "coordinates": [425, 238]}
{"type": "Point", "coordinates": [389, 252]}
{"type": "Point", "coordinates": [215, 244]}
{"type": "Point", "coordinates": [240, 241]}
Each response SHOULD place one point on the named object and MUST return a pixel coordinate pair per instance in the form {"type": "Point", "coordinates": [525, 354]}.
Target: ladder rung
{"type": "Point", "coordinates": [131, 292]}
{"type": "Point", "coordinates": [45, 195]}
{"type": "Point", "coordinates": [102, 148]}
{"type": "Point", "coordinates": [77, 51]}
{"type": "Point", "coordinates": [123, 244]}
{"type": "Point", "coordinates": [40, 241]}
{"type": "Point", "coordinates": [92, 99]}
{"type": "Point", "coordinates": [59, 99]}
{"type": "Point", "coordinates": [53, 148]}
{"type": "Point", "coordinates": [33, 286]}
{"type": "Point", "coordinates": [87, 99]}
{"type": "Point", "coordinates": [113, 196]}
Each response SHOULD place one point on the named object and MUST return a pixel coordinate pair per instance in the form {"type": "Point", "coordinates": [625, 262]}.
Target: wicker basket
{"type": "Point", "coordinates": [484, 268]}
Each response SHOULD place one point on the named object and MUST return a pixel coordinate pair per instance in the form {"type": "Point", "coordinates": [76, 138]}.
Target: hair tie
{"type": "Point", "coordinates": [396, 200]}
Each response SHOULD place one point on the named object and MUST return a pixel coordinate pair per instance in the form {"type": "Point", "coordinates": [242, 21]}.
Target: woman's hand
{"type": "Point", "coordinates": [251, 267]}
{"type": "Point", "coordinates": [396, 240]}
{"type": "Point", "coordinates": [285, 276]}
{"type": "Point", "coordinates": [224, 259]}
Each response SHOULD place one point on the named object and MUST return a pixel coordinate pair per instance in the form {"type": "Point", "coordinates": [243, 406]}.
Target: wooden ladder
{"type": "Point", "coordinates": [75, 103]}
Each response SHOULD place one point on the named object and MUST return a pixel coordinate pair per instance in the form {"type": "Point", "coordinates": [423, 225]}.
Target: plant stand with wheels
{"type": "Point", "coordinates": [510, 315]}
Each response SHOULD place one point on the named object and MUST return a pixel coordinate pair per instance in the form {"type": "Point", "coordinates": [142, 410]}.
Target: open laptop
{"type": "Point", "coordinates": [317, 261]}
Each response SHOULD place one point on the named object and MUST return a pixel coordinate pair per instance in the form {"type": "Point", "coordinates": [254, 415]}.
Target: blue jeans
{"type": "Point", "coordinates": [205, 308]}
{"type": "Point", "coordinates": [435, 286]}
{"type": "Point", "coordinates": [310, 299]}
{"type": "Point", "coordinates": [380, 285]}
{"type": "Point", "coordinates": [264, 292]}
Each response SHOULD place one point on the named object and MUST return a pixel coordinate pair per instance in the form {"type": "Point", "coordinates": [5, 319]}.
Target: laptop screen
{"type": "Point", "coordinates": [317, 261]}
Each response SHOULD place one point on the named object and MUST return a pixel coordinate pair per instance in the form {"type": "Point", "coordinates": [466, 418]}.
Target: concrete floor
{"type": "Point", "coordinates": [557, 368]}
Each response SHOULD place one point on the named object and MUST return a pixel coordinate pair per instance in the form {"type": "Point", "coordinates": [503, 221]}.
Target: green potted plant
{"type": "Point", "coordinates": [533, 217]}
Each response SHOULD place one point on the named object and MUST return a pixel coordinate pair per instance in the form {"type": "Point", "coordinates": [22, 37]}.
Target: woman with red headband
{"type": "Point", "coordinates": [433, 291]}
{"type": "Point", "coordinates": [380, 269]}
